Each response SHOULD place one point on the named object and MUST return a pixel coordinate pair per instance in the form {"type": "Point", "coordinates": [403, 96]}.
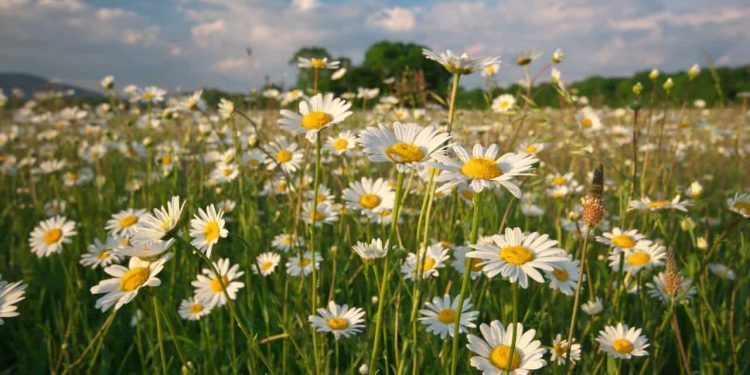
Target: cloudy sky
{"type": "Point", "coordinates": [195, 43]}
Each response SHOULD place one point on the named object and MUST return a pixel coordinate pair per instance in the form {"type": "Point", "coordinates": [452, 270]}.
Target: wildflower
{"type": "Point", "coordinates": [493, 350]}
{"type": "Point", "coordinates": [124, 222]}
{"type": "Point", "coordinates": [10, 295]}
{"type": "Point", "coordinates": [48, 236]}
{"type": "Point", "coordinates": [226, 108]}
{"type": "Point", "coordinates": [286, 242]}
{"type": "Point", "coordinates": [431, 259]}
{"type": "Point", "coordinates": [155, 226]}
{"type": "Point", "coordinates": [316, 113]}
{"type": "Point", "coordinates": [559, 351]}
{"type": "Point", "coordinates": [371, 252]}
{"type": "Point", "coordinates": [483, 169]}
{"type": "Point", "coordinates": [266, 263]}
{"type": "Point", "coordinates": [657, 205]}
{"type": "Point", "coordinates": [407, 145]}
{"type": "Point", "coordinates": [563, 276]}
{"type": "Point", "coordinates": [341, 144]}
{"type": "Point", "coordinates": [145, 250]}
{"type": "Point", "coordinates": [662, 289]}
{"type": "Point", "coordinates": [693, 72]}
{"type": "Point", "coordinates": [622, 341]}
{"type": "Point", "coordinates": [440, 316]}
{"type": "Point", "coordinates": [126, 282]}
{"type": "Point", "coordinates": [558, 56]}
{"type": "Point", "coordinates": [206, 227]}
{"type": "Point", "coordinates": [740, 204]}
{"type": "Point", "coordinates": [518, 256]}
{"type": "Point", "coordinates": [369, 196]}
{"type": "Point", "coordinates": [645, 254]}
{"type": "Point", "coordinates": [460, 64]}
{"type": "Point", "coordinates": [503, 103]}
{"type": "Point", "coordinates": [286, 156]}
{"type": "Point", "coordinates": [193, 309]}
{"type": "Point", "coordinates": [721, 271]}
{"type": "Point", "coordinates": [151, 94]}
{"type": "Point", "coordinates": [210, 290]}
{"type": "Point", "coordinates": [317, 63]}
{"type": "Point", "coordinates": [302, 265]}
{"type": "Point", "coordinates": [587, 119]}
{"type": "Point", "coordinates": [101, 254]}
{"type": "Point", "coordinates": [593, 307]}
{"type": "Point", "coordinates": [339, 320]}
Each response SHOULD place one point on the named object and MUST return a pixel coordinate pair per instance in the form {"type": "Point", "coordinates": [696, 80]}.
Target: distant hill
{"type": "Point", "coordinates": [31, 84]}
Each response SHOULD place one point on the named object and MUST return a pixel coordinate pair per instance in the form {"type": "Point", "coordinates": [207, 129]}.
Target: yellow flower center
{"type": "Point", "coordinates": [265, 266]}
{"type": "Point", "coordinates": [281, 187]}
{"type": "Point", "coordinates": [148, 95]}
{"type": "Point", "coordinates": [561, 350]}
{"type": "Point", "coordinates": [623, 241]}
{"type": "Point", "coordinates": [128, 221]}
{"type": "Point", "coordinates": [684, 123]}
{"type": "Point", "coordinates": [586, 122]}
{"type": "Point", "coordinates": [369, 201]}
{"type": "Point", "coordinates": [133, 279]}
{"type": "Point", "coordinates": [196, 308]}
{"type": "Point", "coordinates": [467, 194]}
{"type": "Point", "coordinates": [404, 153]}
{"type": "Point", "coordinates": [500, 357]}
{"type": "Point", "coordinates": [481, 168]}
{"type": "Point", "coordinates": [503, 104]}
{"type": "Point", "coordinates": [284, 156]}
{"type": "Point", "coordinates": [657, 204]}
{"type": "Point", "coordinates": [227, 172]}
{"type": "Point", "coordinates": [516, 255]}
{"type": "Point", "coordinates": [560, 274]}
{"type": "Point", "coordinates": [316, 120]}
{"type": "Point", "coordinates": [211, 231]}
{"type": "Point", "coordinates": [623, 346]}
{"type": "Point", "coordinates": [304, 262]}
{"type": "Point", "coordinates": [739, 206]}
{"type": "Point", "coordinates": [165, 224]}
{"type": "Point", "coordinates": [317, 215]}
{"type": "Point", "coordinates": [428, 264]}
{"type": "Point", "coordinates": [638, 259]}
{"type": "Point", "coordinates": [340, 144]}
{"type": "Point", "coordinates": [216, 285]}
{"type": "Point", "coordinates": [337, 324]}
{"type": "Point", "coordinates": [104, 254]}
{"type": "Point", "coordinates": [559, 181]}
{"type": "Point", "coordinates": [166, 160]}
{"type": "Point", "coordinates": [253, 162]}
{"type": "Point", "coordinates": [531, 149]}
{"type": "Point", "coordinates": [447, 316]}
{"type": "Point", "coordinates": [318, 63]}
{"type": "Point", "coordinates": [52, 236]}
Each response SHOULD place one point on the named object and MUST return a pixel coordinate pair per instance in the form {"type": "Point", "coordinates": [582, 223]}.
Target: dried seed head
{"type": "Point", "coordinates": [672, 279]}
{"type": "Point", "coordinates": [593, 210]}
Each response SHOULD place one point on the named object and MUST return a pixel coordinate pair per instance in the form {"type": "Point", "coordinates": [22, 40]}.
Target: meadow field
{"type": "Point", "coordinates": [356, 234]}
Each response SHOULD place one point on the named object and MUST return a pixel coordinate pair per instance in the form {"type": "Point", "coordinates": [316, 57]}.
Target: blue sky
{"type": "Point", "coordinates": [196, 43]}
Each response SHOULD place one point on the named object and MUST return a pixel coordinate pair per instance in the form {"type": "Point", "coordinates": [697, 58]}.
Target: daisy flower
{"type": "Point", "coordinates": [317, 63]}
{"type": "Point", "coordinates": [370, 252]}
{"type": "Point", "coordinates": [493, 350]}
{"type": "Point", "coordinates": [564, 276]}
{"type": "Point", "coordinates": [368, 196]}
{"type": "Point", "coordinates": [145, 250]}
{"type": "Point", "coordinates": [407, 145]}
{"type": "Point", "coordinates": [532, 148]}
{"type": "Point", "coordinates": [431, 260]}
{"type": "Point", "coordinates": [302, 265]}
{"type": "Point", "coordinates": [587, 119]}
{"type": "Point", "coordinates": [10, 294]}
{"type": "Point", "coordinates": [286, 242]}
{"type": "Point", "coordinates": [286, 156]}
{"type": "Point", "coordinates": [151, 94]}
{"type": "Point", "coordinates": [224, 173]}
{"type": "Point", "coordinates": [592, 307]}
{"type": "Point", "coordinates": [559, 351]}
{"type": "Point", "coordinates": [620, 240]}
{"type": "Point", "coordinates": [645, 254]}
{"type": "Point", "coordinates": [324, 195]}
{"type": "Point", "coordinates": [656, 289]}
{"type": "Point", "coordinates": [503, 103]}
{"type": "Point", "coordinates": [226, 108]}
{"type": "Point", "coordinates": [123, 223]}
{"type": "Point", "coordinates": [206, 227]}
{"type": "Point", "coordinates": [490, 70]}
{"type": "Point", "coordinates": [460, 64]}
{"type": "Point", "coordinates": [483, 169]}
{"type": "Point", "coordinates": [324, 214]}
{"type": "Point", "coordinates": [155, 226]}
{"type": "Point", "coordinates": [266, 263]}
{"type": "Point", "coordinates": [254, 158]}
{"type": "Point", "coordinates": [440, 316]}
{"type": "Point", "coordinates": [193, 309]}
{"type": "Point", "coordinates": [518, 256]}
{"type": "Point", "coordinates": [622, 341]}
{"type": "Point", "coordinates": [315, 114]}
{"type": "Point", "coordinates": [208, 288]}
{"type": "Point", "coordinates": [341, 144]}
{"type": "Point", "coordinates": [126, 282]}
{"type": "Point", "coordinates": [101, 254]}
{"type": "Point", "coordinates": [646, 204]}
{"type": "Point", "coordinates": [339, 320]}
{"type": "Point", "coordinates": [740, 204]}
{"type": "Point", "coordinates": [722, 271]}
{"type": "Point", "coordinates": [48, 236]}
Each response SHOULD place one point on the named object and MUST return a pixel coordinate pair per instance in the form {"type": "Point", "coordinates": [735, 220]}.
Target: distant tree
{"type": "Point", "coordinates": [392, 59]}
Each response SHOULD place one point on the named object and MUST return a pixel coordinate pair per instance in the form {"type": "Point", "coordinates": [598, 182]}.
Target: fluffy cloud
{"type": "Point", "coordinates": [394, 19]}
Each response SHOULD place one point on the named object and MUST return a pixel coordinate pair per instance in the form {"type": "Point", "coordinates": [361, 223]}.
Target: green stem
{"type": "Point", "coordinates": [159, 336]}
{"type": "Point", "coordinates": [514, 288]}
{"type": "Point", "coordinates": [576, 299]}
{"type": "Point", "coordinates": [384, 276]}
{"type": "Point", "coordinates": [465, 281]}
{"type": "Point", "coordinates": [452, 103]}
{"type": "Point", "coordinates": [314, 281]}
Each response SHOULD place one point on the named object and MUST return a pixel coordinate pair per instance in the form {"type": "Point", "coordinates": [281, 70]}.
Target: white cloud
{"type": "Point", "coordinates": [66, 5]}
{"type": "Point", "coordinates": [112, 14]}
{"type": "Point", "coordinates": [304, 5]}
{"type": "Point", "coordinates": [144, 37]}
{"type": "Point", "coordinates": [396, 19]}
{"type": "Point", "coordinates": [204, 33]}
{"type": "Point", "coordinates": [231, 64]}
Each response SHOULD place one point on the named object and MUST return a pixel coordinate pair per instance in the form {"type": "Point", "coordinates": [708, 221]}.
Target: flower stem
{"type": "Point", "coordinates": [577, 297]}
{"type": "Point", "coordinates": [452, 103]}
{"type": "Point", "coordinates": [384, 276]}
{"type": "Point", "coordinates": [314, 281]}
{"type": "Point", "coordinates": [159, 336]}
{"type": "Point", "coordinates": [465, 281]}
{"type": "Point", "coordinates": [514, 288]}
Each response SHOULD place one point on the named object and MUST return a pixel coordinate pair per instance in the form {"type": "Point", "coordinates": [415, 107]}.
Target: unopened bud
{"type": "Point", "coordinates": [637, 88]}
{"type": "Point", "coordinates": [654, 75]}
{"type": "Point", "coordinates": [668, 84]}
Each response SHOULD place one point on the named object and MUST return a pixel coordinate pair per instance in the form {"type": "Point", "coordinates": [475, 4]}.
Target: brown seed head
{"type": "Point", "coordinates": [672, 279]}
{"type": "Point", "coordinates": [593, 210]}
